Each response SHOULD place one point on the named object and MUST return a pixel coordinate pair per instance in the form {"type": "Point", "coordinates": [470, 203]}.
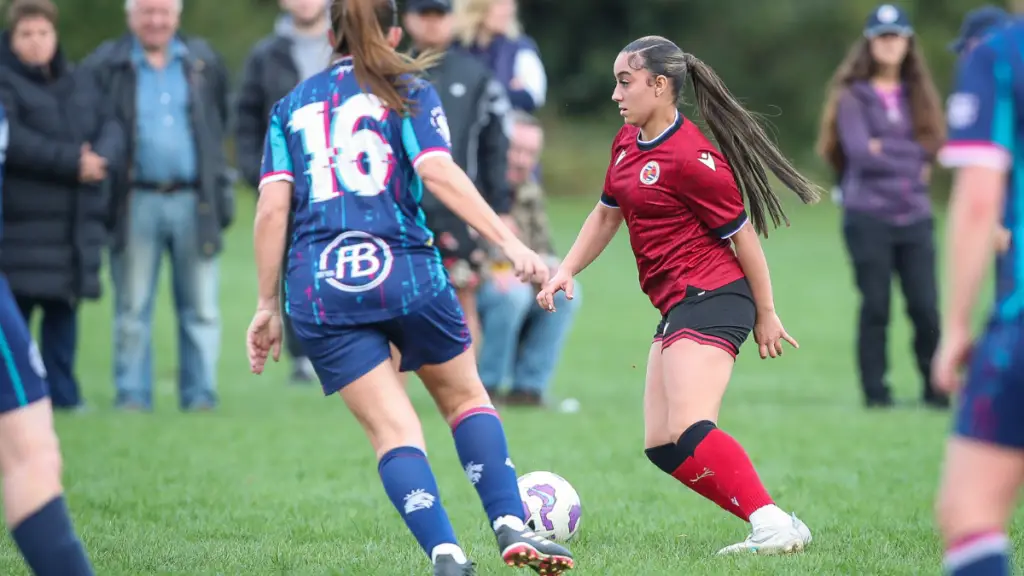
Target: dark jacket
{"type": "Point", "coordinates": [888, 185]}
{"type": "Point", "coordinates": [269, 74]}
{"type": "Point", "coordinates": [208, 83]}
{"type": "Point", "coordinates": [477, 107]}
{"type": "Point", "coordinates": [54, 227]}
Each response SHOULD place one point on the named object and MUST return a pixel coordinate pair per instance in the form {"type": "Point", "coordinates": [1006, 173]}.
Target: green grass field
{"type": "Point", "coordinates": [281, 481]}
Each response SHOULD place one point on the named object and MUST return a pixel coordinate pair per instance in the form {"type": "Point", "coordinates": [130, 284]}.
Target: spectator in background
{"type": "Point", "coordinates": [490, 30]}
{"type": "Point", "coordinates": [521, 340]}
{"type": "Point", "coordinates": [296, 50]}
{"type": "Point", "coordinates": [976, 25]}
{"type": "Point", "coordinates": [476, 107]}
{"type": "Point", "coordinates": [881, 128]}
{"type": "Point", "coordinates": [171, 94]}
{"type": "Point", "coordinates": [63, 143]}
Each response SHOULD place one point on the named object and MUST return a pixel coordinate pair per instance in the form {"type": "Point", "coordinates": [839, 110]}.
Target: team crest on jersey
{"type": "Point", "coordinates": [355, 262]}
{"type": "Point", "coordinates": [649, 173]}
{"type": "Point", "coordinates": [440, 123]}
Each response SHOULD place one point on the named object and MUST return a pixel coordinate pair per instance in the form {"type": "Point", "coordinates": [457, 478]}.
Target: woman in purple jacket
{"type": "Point", "coordinates": [881, 127]}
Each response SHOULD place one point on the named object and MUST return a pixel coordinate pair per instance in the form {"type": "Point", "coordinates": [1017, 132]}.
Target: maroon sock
{"type": "Point", "coordinates": [702, 481]}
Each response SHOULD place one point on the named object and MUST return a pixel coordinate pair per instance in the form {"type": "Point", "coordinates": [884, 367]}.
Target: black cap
{"type": "Point", "coordinates": [444, 6]}
{"type": "Point", "coordinates": [888, 19]}
{"type": "Point", "coordinates": [977, 23]}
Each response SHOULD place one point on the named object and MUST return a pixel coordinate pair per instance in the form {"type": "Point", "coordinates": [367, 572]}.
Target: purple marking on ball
{"type": "Point", "coordinates": [526, 511]}
{"type": "Point", "coordinates": [574, 517]}
{"type": "Point", "coordinates": [547, 495]}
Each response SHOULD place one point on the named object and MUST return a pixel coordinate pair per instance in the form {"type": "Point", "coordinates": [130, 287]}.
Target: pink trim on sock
{"type": "Point", "coordinates": [970, 549]}
{"type": "Point", "coordinates": [474, 412]}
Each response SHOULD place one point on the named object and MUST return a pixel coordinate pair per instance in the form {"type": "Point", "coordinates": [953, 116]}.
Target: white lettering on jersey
{"type": "Point", "coordinates": [707, 159]}
{"type": "Point", "coordinates": [961, 110]}
{"type": "Point", "coordinates": [355, 262]}
{"type": "Point", "coordinates": [343, 150]}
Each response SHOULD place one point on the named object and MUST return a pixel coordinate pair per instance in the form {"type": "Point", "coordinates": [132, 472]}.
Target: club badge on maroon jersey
{"type": "Point", "coordinates": [649, 173]}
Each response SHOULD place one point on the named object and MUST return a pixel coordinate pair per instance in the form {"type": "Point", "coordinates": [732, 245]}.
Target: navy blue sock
{"type": "Point", "coordinates": [979, 555]}
{"type": "Point", "coordinates": [48, 542]}
{"type": "Point", "coordinates": [411, 486]}
{"type": "Point", "coordinates": [483, 451]}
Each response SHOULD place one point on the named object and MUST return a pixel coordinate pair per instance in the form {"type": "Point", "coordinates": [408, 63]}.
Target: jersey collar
{"type": "Point", "coordinates": [652, 144]}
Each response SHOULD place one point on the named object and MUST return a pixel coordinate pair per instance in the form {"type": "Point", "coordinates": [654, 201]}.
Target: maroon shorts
{"type": "Point", "coordinates": [723, 317]}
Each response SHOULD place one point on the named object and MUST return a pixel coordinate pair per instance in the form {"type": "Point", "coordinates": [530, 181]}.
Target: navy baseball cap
{"type": "Point", "coordinates": [977, 23]}
{"type": "Point", "coordinates": [888, 19]}
{"type": "Point", "coordinates": [444, 6]}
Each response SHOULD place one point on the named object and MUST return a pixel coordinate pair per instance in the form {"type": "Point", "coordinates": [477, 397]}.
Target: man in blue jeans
{"type": "Point", "coordinates": [175, 196]}
{"type": "Point", "coordinates": [522, 342]}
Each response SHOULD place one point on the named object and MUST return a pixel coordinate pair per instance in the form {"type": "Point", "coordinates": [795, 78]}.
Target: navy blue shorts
{"type": "Point", "coordinates": [22, 378]}
{"type": "Point", "coordinates": [991, 406]}
{"type": "Point", "coordinates": [433, 333]}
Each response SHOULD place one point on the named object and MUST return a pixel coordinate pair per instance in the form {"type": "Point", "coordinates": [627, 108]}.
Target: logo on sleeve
{"type": "Point", "coordinates": [707, 159]}
{"type": "Point", "coordinates": [440, 123]}
{"type": "Point", "coordinates": [961, 110]}
{"type": "Point", "coordinates": [622, 154]}
{"type": "Point", "coordinates": [649, 173]}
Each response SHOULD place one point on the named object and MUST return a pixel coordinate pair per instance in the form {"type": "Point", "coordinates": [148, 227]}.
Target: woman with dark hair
{"type": "Point", "coordinates": [347, 157]}
{"type": "Point", "coordinates": [701, 263]}
{"type": "Point", "coordinates": [64, 141]}
{"type": "Point", "coordinates": [881, 128]}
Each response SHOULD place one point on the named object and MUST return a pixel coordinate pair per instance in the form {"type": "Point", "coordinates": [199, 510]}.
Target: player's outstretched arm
{"type": "Point", "coordinates": [443, 177]}
{"type": "Point", "coordinates": [595, 235]}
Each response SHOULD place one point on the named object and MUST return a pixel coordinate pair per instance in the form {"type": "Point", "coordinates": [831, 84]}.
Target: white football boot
{"type": "Point", "coordinates": [780, 538]}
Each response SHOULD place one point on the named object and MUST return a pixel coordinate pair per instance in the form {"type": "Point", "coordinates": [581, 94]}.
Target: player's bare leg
{"type": "Point", "coordinates": [483, 450]}
{"type": "Point", "coordinates": [467, 300]}
{"type": "Point", "coordinates": [396, 362]}
{"type": "Point", "coordinates": [695, 378]}
{"type": "Point", "coordinates": [34, 508]}
{"type": "Point", "coordinates": [379, 402]}
{"type": "Point", "coordinates": [976, 500]}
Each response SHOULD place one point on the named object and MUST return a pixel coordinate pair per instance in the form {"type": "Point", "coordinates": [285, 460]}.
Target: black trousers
{"type": "Point", "coordinates": [59, 342]}
{"type": "Point", "coordinates": [878, 250]}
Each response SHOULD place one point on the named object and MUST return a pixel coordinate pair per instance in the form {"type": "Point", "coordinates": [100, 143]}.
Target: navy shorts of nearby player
{"type": "Point", "coordinates": [23, 378]}
{"type": "Point", "coordinates": [992, 400]}
{"type": "Point", "coordinates": [723, 317]}
{"type": "Point", "coordinates": [433, 333]}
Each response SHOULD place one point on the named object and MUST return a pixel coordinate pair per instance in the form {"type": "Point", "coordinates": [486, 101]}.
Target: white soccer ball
{"type": "Point", "coordinates": [551, 504]}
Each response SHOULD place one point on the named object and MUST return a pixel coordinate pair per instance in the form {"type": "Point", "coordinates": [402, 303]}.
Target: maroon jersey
{"type": "Point", "coordinates": [681, 204]}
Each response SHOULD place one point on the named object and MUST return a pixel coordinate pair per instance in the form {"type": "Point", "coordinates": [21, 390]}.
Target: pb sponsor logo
{"type": "Point", "coordinates": [355, 262]}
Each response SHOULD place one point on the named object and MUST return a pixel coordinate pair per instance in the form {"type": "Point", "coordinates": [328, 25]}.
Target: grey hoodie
{"type": "Point", "coordinates": [311, 54]}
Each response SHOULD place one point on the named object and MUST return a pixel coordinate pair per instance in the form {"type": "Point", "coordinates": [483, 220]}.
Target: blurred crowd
{"type": "Point", "coordinates": [124, 154]}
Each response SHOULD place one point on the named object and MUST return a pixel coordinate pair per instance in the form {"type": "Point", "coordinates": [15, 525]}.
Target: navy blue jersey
{"type": "Point", "coordinates": [986, 128]}
{"type": "Point", "coordinates": [4, 136]}
{"type": "Point", "coordinates": [360, 251]}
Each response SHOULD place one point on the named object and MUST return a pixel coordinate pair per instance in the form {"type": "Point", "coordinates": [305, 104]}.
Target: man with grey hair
{"type": "Point", "coordinates": [175, 194]}
{"type": "Point", "coordinates": [521, 342]}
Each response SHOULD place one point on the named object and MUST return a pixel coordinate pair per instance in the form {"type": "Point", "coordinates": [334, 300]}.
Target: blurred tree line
{"type": "Point", "coordinates": [775, 55]}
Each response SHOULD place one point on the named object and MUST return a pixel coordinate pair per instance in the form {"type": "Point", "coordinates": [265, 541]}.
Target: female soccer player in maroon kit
{"type": "Point", "coordinates": [701, 263]}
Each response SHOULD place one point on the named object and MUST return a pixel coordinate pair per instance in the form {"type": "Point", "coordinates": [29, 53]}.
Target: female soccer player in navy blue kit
{"type": "Point", "coordinates": [34, 508]}
{"type": "Point", "coordinates": [984, 468]}
{"type": "Point", "coordinates": [348, 155]}
{"type": "Point", "coordinates": [700, 261]}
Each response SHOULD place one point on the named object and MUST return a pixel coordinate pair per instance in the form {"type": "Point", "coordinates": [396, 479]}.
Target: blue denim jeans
{"type": "Point", "coordinates": [160, 222]}
{"type": "Point", "coordinates": [521, 342]}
